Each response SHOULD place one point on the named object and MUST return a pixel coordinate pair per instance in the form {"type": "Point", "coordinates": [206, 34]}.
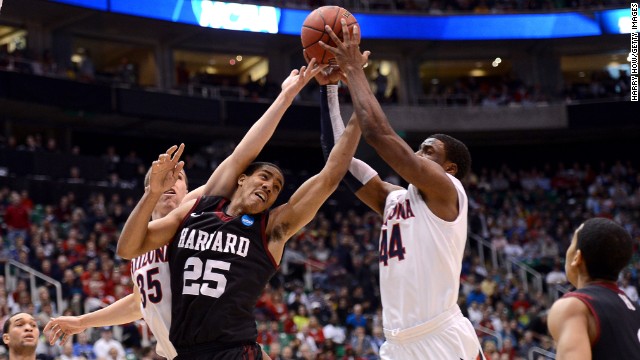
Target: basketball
{"type": "Point", "coordinates": [313, 31]}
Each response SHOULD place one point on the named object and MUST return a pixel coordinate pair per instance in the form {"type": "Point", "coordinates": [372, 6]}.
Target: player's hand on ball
{"type": "Point", "coordinates": [166, 170]}
{"type": "Point", "coordinates": [347, 52]}
{"type": "Point", "coordinates": [330, 75]}
{"type": "Point", "coordinates": [299, 78]}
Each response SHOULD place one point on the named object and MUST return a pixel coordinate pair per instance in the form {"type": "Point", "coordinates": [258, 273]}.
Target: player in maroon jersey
{"type": "Point", "coordinates": [597, 321]}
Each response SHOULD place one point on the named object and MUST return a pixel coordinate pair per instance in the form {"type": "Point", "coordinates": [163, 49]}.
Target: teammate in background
{"type": "Point", "coordinates": [424, 228]}
{"type": "Point", "coordinates": [151, 297]}
{"type": "Point", "coordinates": [596, 321]}
{"type": "Point", "coordinates": [224, 248]}
{"type": "Point", "coordinates": [20, 333]}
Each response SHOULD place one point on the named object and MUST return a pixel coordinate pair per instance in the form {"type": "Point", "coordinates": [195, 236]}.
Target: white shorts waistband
{"type": "Point", "coordinates": [437, 323]}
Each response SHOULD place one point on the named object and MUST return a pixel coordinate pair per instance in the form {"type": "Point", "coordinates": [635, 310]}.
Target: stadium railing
{"type": "Point", "coordinates": [12, 272]}
{"type": "Point", "coordinates": [540, 351]}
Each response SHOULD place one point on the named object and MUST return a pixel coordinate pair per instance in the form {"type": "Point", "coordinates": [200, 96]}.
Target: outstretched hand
{"type": "Point", "coordinates": [299, 78]}
{"type": "Point", "coordinates": [165, 170]}
{"type": "Point", "coordinates": [63, 328]}
{"type": "Point", "coordinates": [347, 52]}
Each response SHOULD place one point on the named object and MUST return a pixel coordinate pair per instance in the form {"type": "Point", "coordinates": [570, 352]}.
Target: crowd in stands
{"type": "Point", "coordinates": [509, 91]}
{"type": "Point", "coordinates": [487, 91]}
{"type": "Point", "coordinates": [324, 302]}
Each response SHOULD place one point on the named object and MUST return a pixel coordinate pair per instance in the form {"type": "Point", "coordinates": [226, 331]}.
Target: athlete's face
{"type": "Point", "coordinates": [433, 149]}
{"type": "Point", "coordinates": [23, 333]}
{"type": "Point", "coordinates": [172, 197]}
{"type": "Point", "coordinates": [573, 259]}
{"type": "Point", "coordinates": [260, 189]}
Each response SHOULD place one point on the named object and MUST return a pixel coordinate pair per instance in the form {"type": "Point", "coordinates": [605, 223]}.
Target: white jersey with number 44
{"type": "Point", "coordinates": [420, 258]}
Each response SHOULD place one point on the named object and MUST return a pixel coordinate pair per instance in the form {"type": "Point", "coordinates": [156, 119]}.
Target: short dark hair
{"type": "Point", "coordinates": [147, 176]}
{"type": "Point", "coordinates": [456, 152]}
{"type": "Point", "coordinates": [255, 166]}
{"type": "Point", "coordinates": [7, 323]}
{"type": "Point", "coordinates": [605, 246]}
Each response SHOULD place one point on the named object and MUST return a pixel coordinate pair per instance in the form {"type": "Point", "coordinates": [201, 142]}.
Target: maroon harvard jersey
{"type": "Point", "coordinates": [617, 319]}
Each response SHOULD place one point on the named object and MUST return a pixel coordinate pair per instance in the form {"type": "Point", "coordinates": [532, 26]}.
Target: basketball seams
{"type": "Point", "coordinates": [321, 33]}
{"type": "Point", "coordinates": [313, 31]}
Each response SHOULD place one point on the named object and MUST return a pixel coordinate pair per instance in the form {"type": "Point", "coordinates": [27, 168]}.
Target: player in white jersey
{"type": "Point", "coordinates": [151, 297]}
{"type": "Point", "coordinates": [424, 227]}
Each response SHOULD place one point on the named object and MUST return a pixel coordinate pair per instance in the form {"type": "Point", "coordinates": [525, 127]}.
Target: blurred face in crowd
{"type": "Point", "coordinates": [22, 334]}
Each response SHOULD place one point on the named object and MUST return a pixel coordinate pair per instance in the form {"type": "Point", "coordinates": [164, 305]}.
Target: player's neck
{"type": "Point", "coordinates": [25, 354]}
{"type": "Point", "coordinates": [233, 209]}
{"type": "Point", "coordinates": [235, 206]}
{"type": "Point", "coordinates": [585, 279]}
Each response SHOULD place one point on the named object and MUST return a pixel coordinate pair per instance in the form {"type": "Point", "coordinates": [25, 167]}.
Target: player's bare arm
{"type": "Point", "coordinates": [374, 193]}
{"type": "Point", "coordinates": [223, 181]}
{"type": "Point", "coordinates": [569, 323]}
{"type": "Point", "coordinates": [436, 187]}
{"type": "Point", "coordinates": [138, 235]}
{"type": "Point", "coordinates": [287, 219]}
{"type": "Point", "coordinates": [122, 311]}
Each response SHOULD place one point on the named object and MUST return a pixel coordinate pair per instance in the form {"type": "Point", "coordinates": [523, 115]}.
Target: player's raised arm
{"type": "Point", "coordinates": [223, 180]}
{"type": "Point", "coordinates": [425, 174]}
{"type": "Point", "coordinates": [361, 179]}
{"type": "Point", "coordinates": [138, 235]}
{"type": "Point", "coordinates": [287, 219]}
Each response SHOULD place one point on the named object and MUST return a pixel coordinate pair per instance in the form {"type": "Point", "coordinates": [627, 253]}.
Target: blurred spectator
{"type": "Point", "coordinates": [16, 217]}
{"type": "Point", "coordinates": [106, 345]}
{"type": "Point", "coordinates": [67, 353]}
{"type": "Point", "coordinates": [82, 347]}
{"type": "Point", "coordinates": [334, 330]}
{"type": "Point", "coordinates": [362, 344]}
{"type": "Point", "coordinates": [356, 318]}
{"type": "Point", "coordinates": [556, 276]}
{"type": "Point", "coordinates": [629, 289]}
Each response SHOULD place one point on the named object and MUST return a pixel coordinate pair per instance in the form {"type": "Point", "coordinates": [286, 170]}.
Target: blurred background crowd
{"type": "Point", "coordinates": [324, 302]}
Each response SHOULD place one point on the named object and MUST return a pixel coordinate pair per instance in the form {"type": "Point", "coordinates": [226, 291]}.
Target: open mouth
{"type": "Point", "coordinates": [170, 192]}
{"type": "Point", "coordinates": [261, 195]}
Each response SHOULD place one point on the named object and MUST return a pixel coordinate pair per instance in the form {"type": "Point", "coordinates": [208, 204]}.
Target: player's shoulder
{"type": "Point", "coordinates": [569, 306]}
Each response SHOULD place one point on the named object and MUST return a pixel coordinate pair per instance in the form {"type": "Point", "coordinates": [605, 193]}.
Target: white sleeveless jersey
{"type": "Point", "coordinates": [420, 258]}
{"type": "Point", "coordinates": [151, 274]}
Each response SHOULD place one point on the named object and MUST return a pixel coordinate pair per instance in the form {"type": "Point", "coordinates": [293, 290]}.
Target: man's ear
{"type": "Point", "coordinates": [577, 259]}
{"type": "Point", "coordinates": [5, 338]}
{"type": "Point", "coordinates": [451, 168]}
{"type": "Point", "coordinates": [241, 179]}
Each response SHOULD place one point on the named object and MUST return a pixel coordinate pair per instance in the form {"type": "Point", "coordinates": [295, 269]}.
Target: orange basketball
{"type": "Point", "coordinates": [313, 31]}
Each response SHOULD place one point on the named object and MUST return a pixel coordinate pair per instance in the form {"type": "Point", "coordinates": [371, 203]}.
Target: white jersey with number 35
{"type": "Point", "coordinates": [420, 258]}
{"type": "Point", "coordinates": [151, 275]}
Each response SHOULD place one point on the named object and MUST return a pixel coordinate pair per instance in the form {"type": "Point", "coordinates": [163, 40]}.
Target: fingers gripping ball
{"type": "Point", "coordinates": [313, 31]}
